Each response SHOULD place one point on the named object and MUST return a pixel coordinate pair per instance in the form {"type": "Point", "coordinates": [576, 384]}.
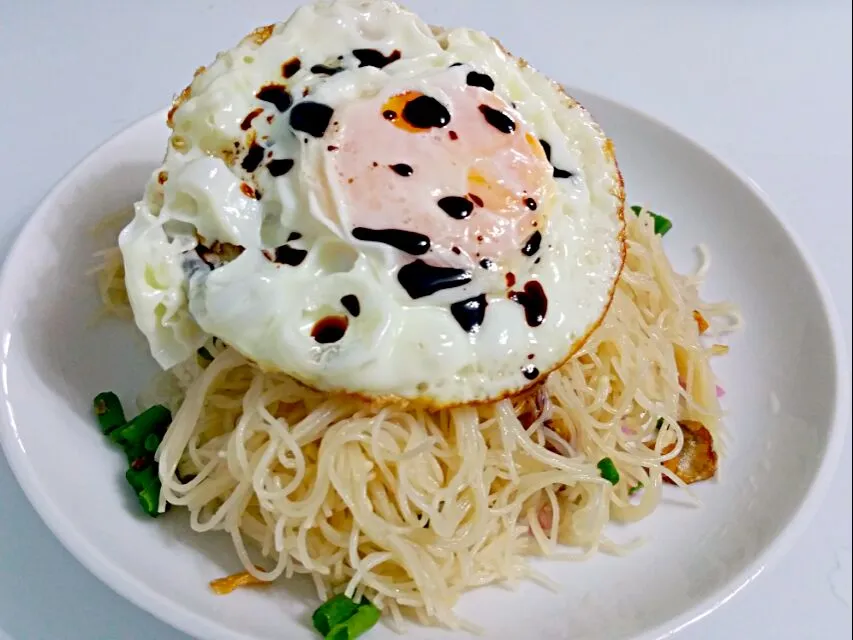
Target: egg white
{"type": "Point", "coordinates": [396, 347]}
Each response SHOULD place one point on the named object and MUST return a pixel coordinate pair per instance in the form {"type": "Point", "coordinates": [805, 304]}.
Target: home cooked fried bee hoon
{"type": "Point", "coordinates": [411, 335]}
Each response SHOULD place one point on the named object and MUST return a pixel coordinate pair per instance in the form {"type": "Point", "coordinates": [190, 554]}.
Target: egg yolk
{"type": "Point", "coordinates": [453, 164]}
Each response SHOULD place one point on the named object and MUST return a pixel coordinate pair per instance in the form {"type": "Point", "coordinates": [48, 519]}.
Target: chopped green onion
{"type": "Point", "coordinates": [153, 420]}
{"type": "Point", "coordinates": [635, 488]}
{"type": "Point", "coordinates": [146, 484]}
{"type": "Point", "coordinates": [331, 613]}
{"type": "Point", "coordinates": [662, 223]}
{"type": "Point", "coordinates": [149, 500]}
{"type": "Point", "coordinates": [358, 623]}
{"type": "Point", "coordinates": [109, 412]}
{"type": "Point", "coordinates": [152, 441]}
{"type": "Point", "coordinates": [142, 479]}
{"type": "Point", "coordinates": [608, 470]}
{"type": "Point", "coordinates": [205, 354]}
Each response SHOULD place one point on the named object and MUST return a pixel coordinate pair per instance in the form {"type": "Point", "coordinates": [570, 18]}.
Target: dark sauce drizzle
{"type": "Point", "coordinates": [476, 79]}
{"type": "Point", "coordinates": [279, 167]}
{"type": "Point", "coordinates": [486, 263]}
{"type": "Point", "coordinates": [558, 173]}
{"type": "Point", "coordinates": [401, 169]}
{"type": "Point", "coordinates": [253, 157]}
{"type": "Point", "coordinates": [470, 313]}
{"type": "Point", "coordinates": [329, 329]}
{"type": "Point", "coordinates": [311, 117]}
{"type": "Point", "coordinates": [530, 203]}
{"type": "Point", "coordinates": [530, 372]}
{"type": "Point", "coordinates": [325, 70]}
{"type": "Point", "coordinates": [457, 207]}
{"type": "Point", "coordinates": [277, 95]}
{"type": "Point", "coordinates": [374, 58]}
{"type": "Point", "coordinates": [534, 302]}
{"type": "Point", "coordinates": [351, 304]}
{"type": "Point", "coordinates": [425, 112]}
{"type": "Point", "coordinates": [420, 279]}
{"type": "Point", "coordinates": [415, 244]}
{"type": "Point", "coordinates": [294, 235]}
{"type": "Point", "coordinates": [247, 121]}
{"type": "Point", "coordinates": [498, 119]}
{"type": "Point", "coordinates": [291, 67]}
{"type": "Point", "coordinates": [532, 245]}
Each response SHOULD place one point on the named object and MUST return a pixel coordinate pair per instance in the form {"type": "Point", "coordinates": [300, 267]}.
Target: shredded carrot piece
{"type": "Point", "coordinates": [700, 321]}
{"type": "Point", "coordinates": [719, 349]}
{"type": "Point", "coordinates": [224, 586]}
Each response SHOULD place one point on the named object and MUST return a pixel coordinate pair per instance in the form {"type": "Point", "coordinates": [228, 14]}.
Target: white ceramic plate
{"type": "Point", "coordinates": [786, 388]}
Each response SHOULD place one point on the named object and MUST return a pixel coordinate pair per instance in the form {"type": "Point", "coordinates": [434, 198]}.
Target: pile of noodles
{"type": "Point", "coordinates": [412, 508]}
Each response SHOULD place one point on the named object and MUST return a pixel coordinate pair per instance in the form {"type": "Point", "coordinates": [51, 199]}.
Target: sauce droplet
{"type": "Point", "coordinates": [498, 119]}
{"type": "Point", "coordinates": [291, 67]}
{"type": "Point", "coordinates": [401, 169]}
{"type": "Point", "coordinates": [510, 279]}
{"type": "Point", "coordinates": [420, 279]}
{"type": "Point", "coordinates": [530, 372]}
{"type": "Point", "coordinates": [374, 58]}
{"type": "Point", "coordinates": [311, 117]}
{"type": "Point", "coordinates": [457, 207]}
{"type": "Point", "coordinates": [279, 167]}
{"type": "Point", "coordinates": [253, 157]}
{"type": "Point", "coordinates": [470, 313]}
{"type": "Point", "coordinates": [329, 329]}
{"type": "Point", "coordinates": [486, 263]}
{"type": "Point", "coordinates": [290, 256]}
{"type": "Point", "coordinates": [294, 235]}
{"type": "Point", "coordinates": [425, 112]}
{"type": "Point", "coordinates": [533, 243]}
{"type": "Point", "coordinates": [476, 79]}
{"type": "Point", "coordinates": [276, 94]}
{"type": "Point", "coordinates": [530, 203]}
{"type": "Point", "coordinates": [476, 199]}
{"type": "Point", "coordinates": [410, 242]}
{"type": "Point", "coordinates": [534, 302]}
{"type": "Point", "coordinates": [351, 304]}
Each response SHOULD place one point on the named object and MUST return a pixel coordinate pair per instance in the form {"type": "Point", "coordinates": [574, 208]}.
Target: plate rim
{"type": "Point", "coordinates": [187, 621]}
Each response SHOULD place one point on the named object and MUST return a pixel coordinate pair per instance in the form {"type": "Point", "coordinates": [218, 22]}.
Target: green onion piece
{"type": "Point", "coordinates": [205, 354]}
{"type": "Point", "coordinates": [360, 622]}
{"type": "Point", "coordinates": [146, 484]}
{"type": "Point", "coordinates": [142, 479]}
{"type": "Point", "coordinates": [149, 500]}
{"type": "Point", "coordinates": [333, 612]}
{"type": "Point", "coordinates": [635, 488]}
{"type": "Point", "coordinates": [662, 223]}
{"type": "Point", "coordinates": [109, 412]}
{"type": "Point", "coordinates": [152, 441]}
{"type": "Point", "coordinates": [608, 470]}
{"type": "Point", "coordinates": [153, 420]}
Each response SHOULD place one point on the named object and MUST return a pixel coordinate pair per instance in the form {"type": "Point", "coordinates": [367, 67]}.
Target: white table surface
{"type": "Point", "coordinates": [766, 85]}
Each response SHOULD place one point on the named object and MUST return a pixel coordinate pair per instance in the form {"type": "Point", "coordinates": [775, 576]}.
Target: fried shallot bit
{"type": "Point", "coordinates": [224, 586]}
{"type": "Point", "coordinates": [701, 322]}
{"type": "Point", "coordinates": [697, 460]}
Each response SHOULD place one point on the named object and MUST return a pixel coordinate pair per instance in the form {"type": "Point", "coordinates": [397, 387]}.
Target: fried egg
{"type": "Point", "coordinates": [378, 207]}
